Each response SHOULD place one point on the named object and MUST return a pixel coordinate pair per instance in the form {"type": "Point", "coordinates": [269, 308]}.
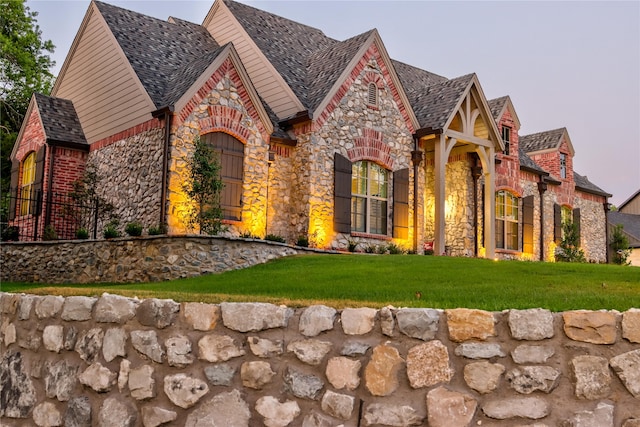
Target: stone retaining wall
{"type": "Point", "coordinates": [116, 361]}
{"type": "Point", "coordinates": [127, 260]}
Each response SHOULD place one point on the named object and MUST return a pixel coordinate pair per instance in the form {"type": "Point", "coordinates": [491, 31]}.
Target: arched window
{"type": "Point", "coordinates": [231, 156]}
{"type": "Point", "coordinates": [507, 220]}
{"type": "Point", "coordinates": [28, 178]}
{"type": "Point", "coordinates": [372, 99]}
{"type": "Point", "coordinates": [369, 198]}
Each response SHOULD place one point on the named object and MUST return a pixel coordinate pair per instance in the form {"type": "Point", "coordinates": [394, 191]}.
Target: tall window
{"type": "Point", "coordinates": [369, 190]}
{"type": "Point", "coordinates": [27, 181]}
{"type": "Point", "coordinates": [563, 166]}
{"type": "Point", "coordinates": [506, 137]}
{"type": "Point", "coordinates": [506, 221]}
{"type": "Point", "coordinates": [231, 156]}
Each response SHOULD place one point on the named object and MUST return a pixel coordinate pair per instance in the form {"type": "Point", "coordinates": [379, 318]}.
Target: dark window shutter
{"type": "Point", "coordinates": [557, 223]}
{"type": "Point", "coordinates": [527, 224]}
{"type": "Point", "coordinates": [401, 204]}
{"type": "Point", "coordinates": [342, 194]}
{"type": "Point", "coordinates": [15, 175]}
{"type": "Point", "coordinates": [34, 207]}
{"type": "Point", "coordinates": [576, 220]}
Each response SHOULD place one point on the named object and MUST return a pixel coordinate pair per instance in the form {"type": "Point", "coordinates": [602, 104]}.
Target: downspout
{"type": "Point", "coordinates": [416, 158]}
{"type": "Point", "coordinates": [167, 112]}
{"type": "Point", "coordinates": [47, 214]}
{"type": "Point", "coordinates": [542, 187]}
{"type": "Point", "coordinates": [476, 172]}
{"type": "Point", "coordinates": [607, 208]}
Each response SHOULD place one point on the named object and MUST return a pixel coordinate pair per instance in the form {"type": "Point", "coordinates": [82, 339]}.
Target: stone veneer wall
{"type": "Point", "coordinates": [593, 232]}
{"type": "Point", "coordinates": [116, 361]}
{"type": "Point", "coordinates": [130, 173]}
{"type": "Point", "coordinates": [126, 260]}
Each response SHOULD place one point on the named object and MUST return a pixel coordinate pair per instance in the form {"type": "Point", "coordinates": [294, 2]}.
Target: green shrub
{"type": "Point", "coordinates": [395, 249]}
{"type": "Point", "coordinates": [370, 249]}
{"type": "Point", "coordinates": [111, 229]}
{"type": "Point", "coordinates": [620, 246]}
{"type": "Point", "coordinates": [381, 249]}
{"type": "Point", "coordinates": [157, 230]}
{"type": "Point", "coordinates": [11, 234]}
{"type": "Point", "coordinates": [274, 238]}
{"type": "Point", "coordinates": [133, 229]}
{"type": "Point", "coordinates": [303, 241]}
{"type": "Point", "coordinates": [82, 234]}
{"type": "Point", "coordinates": [352, 245]}
{"type": "Point", "coordinates": [49, 233]}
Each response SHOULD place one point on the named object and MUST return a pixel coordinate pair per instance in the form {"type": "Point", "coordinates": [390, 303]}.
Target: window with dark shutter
{"type": "Point", "coordinates": [231, 157]}
{"type": "Point", "coordinates": [576, 221]}
{"type": "Point", "coordinates": [557, 223]}
{"type": "Point", "coordinates": [401, 204]}
{"type": "Point", "coordinates": [39, 179]}
{"type": "Point", "coordinates": [527, 224]}
{"type": "Point", "coordinates": [15, 175]}
{"type": "Point", "coordinates": [342, 194]}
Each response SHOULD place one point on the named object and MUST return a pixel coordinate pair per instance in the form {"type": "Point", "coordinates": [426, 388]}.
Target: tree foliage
{"type": "Point", "coordinates": [25, 68]}
{"type": "Point", "coordinates": [619, 246]}
{"type": "Point", "coordinates": [569, 248]}
{"type": "Point", "coordinates": [204, 187]}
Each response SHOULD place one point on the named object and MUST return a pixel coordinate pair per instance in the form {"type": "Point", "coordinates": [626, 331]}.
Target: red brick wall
{"type": "Point", "coordinates": [508, 170]}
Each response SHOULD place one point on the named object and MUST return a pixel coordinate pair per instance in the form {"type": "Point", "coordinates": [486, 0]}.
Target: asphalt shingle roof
{"type": "Point", "coordinates": [541, 140]}
{"type": "Point", "coordinates": [157, 49]}
{"type": "Point", "coordinates": [434, 105]}
{"type": "Point", "coordinates": [630, 223]}
{"type": "Point", "coordinates": [414, 79]}
{"type": "Point", "coordinates": [325, 66]}
{"type": "Point", "coordinates": [583, 183]}
{"type": "Point", "coordinates": [496, 106]}
{"type": "Point", "coordinates": [286, 44]}
{"type": "Point", "coordinates": [60, 120]}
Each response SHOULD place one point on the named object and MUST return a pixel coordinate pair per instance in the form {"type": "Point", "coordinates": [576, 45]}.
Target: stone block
{"type": "Point", "coordinates": [421, 323]}
{"type": "Point", "coordinates": [302, 385]}
{"type": "Point", "coordinates": [595, 327]}
{"type": "Point", "coordinates": [98, 377]}
{"type": "Point", "coordinates": [47, 415]}
{"type": "Point", "coordinates": [381, 373]}
{"type": "Point", "coordinates": [449, 408]}
{"type": "Point", "coordinates": [526, 353]}
{"type": "Point", "coordinates": [533, 324]}
{"type": "Point", "coordinates": [527, 379]}
{"type": "Point", "coordinates": [466, 324]}
{"type": "Point", "coordinates": [256, 374]}
{"type": "Point", "coordinates": [200, 316]}
{"type": "Point", "coordinates": [179, 351]}
{"type": "Point", "coordinates": [316, 319]}
{"type": "Point", "coordinates": [218, 348]}
{"type": "Point", "coordinates": [478, 350]}
{"type": "Point", "coordinates": [310, 351]}
{"type": "Point", "coordinates": [146, 342]}
{"type": "Point", "coordinates": [391, 415]}
{"type": "Point", "coordinates": [343, 372]}
{"type": "Point", "coordinates": [483, 377]}
{"type": "Point", "coordinates": [591, 374]}
{"type": "Point", "coordinates": [627, 367]}
{"type": "Point", "coordinates": [224, 409]}
{"type": "Point", "coordinates": [157, 313]}
{"type": "Point", "coordinates": [48, 306]}
{"type": "Point", "coordinates": [338, 405]}
{"type": "Point", "coordinates": [631, 325]}
{"type": "Point", "coordinates": [153, 416]}
{"type": "Point", "coordinates": [265, 348]}
{"type": "Point", "coordinates": [77, 308]}
{"type": "Point", "coordinates": [428, 364]}
{"type": "Point", "coordinates": [184, 391]}
{"type": "Point", "coordinates": [141, 383]}
{"type": "Point", "coordinates": [114, 309]}
{"type": "Point", "coordinates": [254, 317]}
{"type": "Point", "coordinates": [114, 413]}
{"type": "Point", "coordinates": [533, 408]}
{"type": "Point", "coordinates": [113, 344]}
{"type": "Point", "coordinates": [277, 414]}
{"type": "Point", "coordinates": [358, 321]}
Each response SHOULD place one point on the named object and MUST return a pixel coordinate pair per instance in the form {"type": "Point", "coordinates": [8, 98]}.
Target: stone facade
{"type": "Point", "coordinates": [117, 361]}
{"type": "Point", "coordinates": [130, 173]}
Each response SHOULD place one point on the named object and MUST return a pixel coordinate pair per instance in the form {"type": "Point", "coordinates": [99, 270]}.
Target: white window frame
{"type": "Point", "coordinates": [367, 200]}
{"type": "Point", "coordinates": [507, 220]}
{"type": "Point", "coordinates": [506, 132]}
{"type": "Point", "coordinates": [563, 166]}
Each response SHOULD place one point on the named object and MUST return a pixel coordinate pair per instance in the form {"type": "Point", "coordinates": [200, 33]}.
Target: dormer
{"type": "Point", "coordinates": [553, 151]}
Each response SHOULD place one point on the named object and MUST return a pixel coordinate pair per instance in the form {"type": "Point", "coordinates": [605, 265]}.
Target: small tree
{"type": "Point", "coordinates": [85, 195]}
{"type": "Point", "coordinates": [569, 248]}
{"type": "Point", "coordinates": [620, 246]}
{"type": "Point", "coordinates": [204, 187]}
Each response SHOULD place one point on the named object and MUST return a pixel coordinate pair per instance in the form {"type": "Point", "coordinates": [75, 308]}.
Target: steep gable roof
{"type": "Point", "coordinates": [583, 184]}
{"type": "Point", "coordinates": [286, 44]}
{"type": "Point", "coordinates": [325, 66]}
{"type": "Point", "coordinates": [629, 200]}
{"type": "Point", "coordinates": [545, 141]}
{"type": "Point", "coordinates": [157, 49]}
{"type": "Point", "coordinates": [59, 120]}
{"type": "Point", "coordinates": [499, 106]}
{"type": "Point", "coordinates": [435, 104]}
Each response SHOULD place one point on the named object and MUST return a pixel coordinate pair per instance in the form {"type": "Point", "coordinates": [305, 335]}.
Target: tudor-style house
{"type": "Point", "coordinates": [328, 139]}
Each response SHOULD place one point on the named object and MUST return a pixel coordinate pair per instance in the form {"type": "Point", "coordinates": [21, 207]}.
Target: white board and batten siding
{"type": "Point", "coordinates": [106, 92]}
{"type": "Point", "coordinates": [270, 85]}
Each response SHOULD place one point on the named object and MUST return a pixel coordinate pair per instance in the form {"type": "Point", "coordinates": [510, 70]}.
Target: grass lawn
{"type": "Point", "coordinates": [402, 281]}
